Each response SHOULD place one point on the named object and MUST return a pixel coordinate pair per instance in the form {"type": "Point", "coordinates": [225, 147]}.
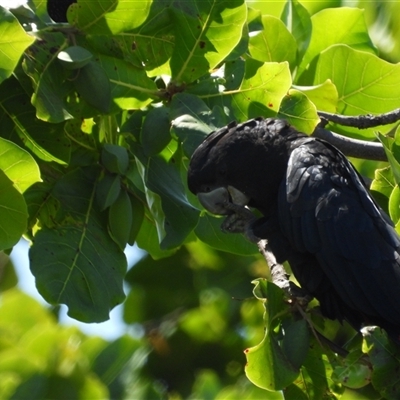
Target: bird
{"type": "Point", "coordinates": [314, 210]}
{"type": "Point", "coordinates": [57, 9]}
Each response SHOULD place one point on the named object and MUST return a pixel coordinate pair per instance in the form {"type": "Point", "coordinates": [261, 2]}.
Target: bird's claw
{"type": "Point", "coordinates": [239, 221]}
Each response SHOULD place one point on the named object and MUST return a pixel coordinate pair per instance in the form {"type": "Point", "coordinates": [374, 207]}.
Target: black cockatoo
{"type": "Point", "coordinates": [316, 214]}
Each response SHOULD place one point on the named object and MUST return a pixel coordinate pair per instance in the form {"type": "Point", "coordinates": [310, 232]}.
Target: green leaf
{"type": "Point", "coordinates": [115, 158]}
{"type": "Point", "coordinates": [13, 213]}
{"type": "Point", "coordinates": [107, 190]}
{"type": "Point", "coordinates": [120, 219]}
{"type": "Point", "coordinates": [114, 357]}
{"type": "Point", "coordinates": [268, 365]}
{"type": "Point", "coordinates": [298, 21]}
{"type": "Point", "coordinates": [332, 26]}
{"type": "Point", "coordinates": [155, 131]}
{"type": "Point", "coordinates": [208, 230]}
{"type": "Point", "coordinates": [191, 120]}
{"type": "Point", "coordinates": [149, 46]}
{"type": "Point", "coordinates": [93, 85]}
{"type": "Point", "coordinates": [295, 341]}
{"type": "Point", "coordinates": [110, 17]}
{"type": "Point", "coordinates": [50, 82]}
{"type": "Point", "coordinates": [13, 300]}
{"type": "Point", "coordinates": [383, 181]}
{"type": "Point", "coordinates": [46, 141]}
{"type": "Point", "coordinates": [388, 145]}
{"type": "Point", "coordinates": [394, 207]}
{"type": "Point", "coordinates": [137, 218]}
{"type": "Point", "coordinates": [76, 263]}
{"type": "Point", "coordinates": [274, 43]}
{"type": "Point", "coordinates": [262, 89]}
{"type": "Point", "coordinates": [314, 381]}
{"type": "Point", "coordinates": [354, 372]}
{"type": "Point", "coordinates": [164, 179]}
{"type": "Point", "coordinates": [206, 32]}
{"type": "Point", "coordinates": [385, 359]}
{"type": "Point", "coordinates": [366, 84]}
{"type": "Point", "coordinates": [131, 88]}
{"type": "Point", "coordinates": [148, 239]}
{"type": "Point", "coordinates": [14, 41]}
{"type": "Point", "coordinates": [324, 96]}
{"type": "Point", "coordinates": [299, 111]}
{"type": "Point", "coordinates": [19, 166]}
{"type": "Point", "coordinates": [74, 57]}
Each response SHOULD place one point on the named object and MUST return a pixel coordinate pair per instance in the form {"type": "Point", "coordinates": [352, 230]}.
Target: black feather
{"type": "Point", "coordinates": [318, 215]}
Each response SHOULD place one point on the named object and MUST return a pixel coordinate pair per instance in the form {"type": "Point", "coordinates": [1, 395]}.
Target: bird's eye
{"type": "Point", "coordinates": [206, 189]}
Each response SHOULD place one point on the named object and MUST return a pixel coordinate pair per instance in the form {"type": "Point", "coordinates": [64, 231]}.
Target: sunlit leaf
{"type": "Point", "coordinates": [262, 89]}
{"type": "Point", "coordinates": [13, 213]}
{"type": "Point", "coordinates": [274, 43]}
{"type": "Point", "coordinates": [131, 88]}
{"type": "Point", "coordinates": [324, 96]}
{"type": "Point", "coordinates": [298, 21]}
{"type": "Point", "coordinates": [206, 33]}
{"type": "Point", "coordinates": [299, 111]}
{"type": "Point", "coordinates": [332, 26]}
{"type": "Point", "coordinates": [14, 40]}
{"type": "Point", "coordinates": [366, 84]}
{"type": "Point", "coordinates": [108, 16]}
{"type": "Point", "coordinates": [19, 166]}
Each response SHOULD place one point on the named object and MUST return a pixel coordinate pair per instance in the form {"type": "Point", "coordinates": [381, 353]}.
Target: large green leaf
{"type": "Point", "coordinates": [366, 84]}
{"type": "Point", "coordinates": [75, 262]}
{"type": "Point", "coordinates": [13, 213]}
{"type": "Point", "coordinates": [108, 16]}
{"type": "Point", "coordinates": [274, 43]}
{"type": "Point", "coordinates": [13, 42]}
{"type": "Point", "coordinates": [206, 32]}
{"type": "Point", "coordinates": [334, 26]}
{"type": "Point", "coordinates": [18, 165]}
{"type": "Point", "coordinates": [262, 89]}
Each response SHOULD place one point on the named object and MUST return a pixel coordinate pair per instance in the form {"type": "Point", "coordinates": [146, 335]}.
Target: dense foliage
{"type": "Point", "coordinates": [99, 117]}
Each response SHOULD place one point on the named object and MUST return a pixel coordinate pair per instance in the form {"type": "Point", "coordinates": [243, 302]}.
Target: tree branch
{"type": "Point", "coordinates": [280, 277]}
{"type": "Point", "coordinates": [352, 147]}
{"type": "Point", "coordinates": [362, 121]}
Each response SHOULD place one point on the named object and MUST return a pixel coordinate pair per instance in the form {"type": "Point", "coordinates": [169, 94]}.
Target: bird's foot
{"type": "Point", "coordinates": [239, 221]}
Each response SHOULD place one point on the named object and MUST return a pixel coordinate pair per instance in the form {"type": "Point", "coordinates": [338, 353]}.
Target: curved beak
{"type": "Point", "coordinates": [216, 201]}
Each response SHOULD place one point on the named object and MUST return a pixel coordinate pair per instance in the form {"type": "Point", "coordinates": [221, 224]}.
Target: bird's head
{"type": "Point", "coordinates": [237, 164]}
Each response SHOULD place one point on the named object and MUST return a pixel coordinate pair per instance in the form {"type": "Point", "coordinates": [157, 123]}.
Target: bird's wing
{"type": "Point", "coordinates": [324, 209]}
